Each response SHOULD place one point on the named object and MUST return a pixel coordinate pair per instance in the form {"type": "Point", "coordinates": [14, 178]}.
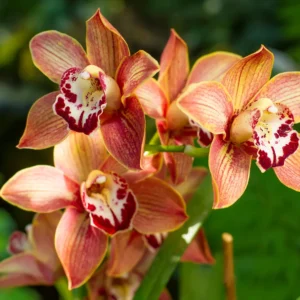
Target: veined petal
{"type": "Point", "coordinates": [41, 189]}
{"type": "Point", "coordinates": [285, 89]}
{"type": "Point", "coordinates": [82, 249]}
{"type": "Point", "coordinates": [289, 173]}
{"type": "Point", "coordinates": [105, 46]}
{"type": "Point", "coordinates": [198, 250]}
{"type": "Point", "coordinates": [161, 208]}
{"type": "Point", "coordinates": [230, 170]}
{"type": "Point", "coordinates": [111, 165]}
{"type": "Point", "coordinates": [124, 133]}
{"type": "Point", "coordinates": [109, 201]}
{"type": "Point", "coordinates": [152, 98]}
{"type": "Point", "coordinates": [211, 67]}
{"type": "Point", "coordinates": [247, 76]}
{"type": "Point", "coordinates": [174, 66]}
{"type": "Point", "coordinates": [126, 250]}
{"type": "Point", "coordinates": [79, 154]}
{"type": "Point", "coordinates": [208, 104]}
{"type": "Point", "coordinates": [43, 128]}
{"type": "Point", "coordinates": [135, 69]}
{"type": "Point", "coordinates": [54, 52]}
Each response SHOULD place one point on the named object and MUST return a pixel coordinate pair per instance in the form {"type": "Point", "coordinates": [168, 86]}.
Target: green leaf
{"type": "Point", "coordinates": [174, 246]}
{"type": "Point", "coordinates": [19, 293]}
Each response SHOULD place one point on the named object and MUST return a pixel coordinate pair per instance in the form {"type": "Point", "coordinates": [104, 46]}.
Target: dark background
{"type": "Point", "coordinates": [264, 222]}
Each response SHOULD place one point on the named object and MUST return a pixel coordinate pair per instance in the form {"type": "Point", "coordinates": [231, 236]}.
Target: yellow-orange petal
{"type": "Point", "coordinates": [247, 76]}
{"type": "Point", "coordinates": [230, 170]}
{"type": "Point", "coordinates": [211, 67]}
{"type": "Point", "coordinates": [285, 89]}
{"type": "Point", "coordinates": [152, 98]}
{"type": "Point", "coordinates": [174, 66]}
{"type": "Point", "coordinates": [208, 104]}
{"type": "Point", "coordinates": [79, 154]}
{"type": "Point", "coordinates": [106, 47]}
{"type": "Point", "coordinates": [160, 207]}
{"type": "Point", "coordinates": [80, 247]}
{"type": "Point", "coordinates": [53, 53]}
{"type": "Point", "coordinates": [43, 129]}
{"type": "Point", "coordinates": [135, 69]}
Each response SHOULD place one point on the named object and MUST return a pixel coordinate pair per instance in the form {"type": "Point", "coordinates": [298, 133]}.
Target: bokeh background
{"type": "Point", "coordinates": [265, 222]}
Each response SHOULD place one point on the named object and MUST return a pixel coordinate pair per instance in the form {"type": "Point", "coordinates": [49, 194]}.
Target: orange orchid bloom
{"type": "Point", "coordinates": [96, 90]}
{"type": "Point", "coordinates": [251, 116]}
{"type": "Point", "coordinates": [158, 99]}
{"type": "Point", "coordinates": [34, 260]}
{"type": "Point", "coordinates": [101, 197]}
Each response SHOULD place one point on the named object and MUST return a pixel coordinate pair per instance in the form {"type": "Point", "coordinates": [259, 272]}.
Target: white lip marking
{"type": "Point", "coordinates": [85, 75]}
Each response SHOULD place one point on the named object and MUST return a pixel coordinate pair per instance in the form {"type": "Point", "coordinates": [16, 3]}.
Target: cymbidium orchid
{"type": "Point", "coordinates": [34, 260]}
{"type": "Point", "coordinates": [101, 198]}
{"type": "Point", "coordinates": [158, 99]}
{"type": "Point", "coordinates": [96, 90]}
{"type": "Point", "coordinates": [251, 116]}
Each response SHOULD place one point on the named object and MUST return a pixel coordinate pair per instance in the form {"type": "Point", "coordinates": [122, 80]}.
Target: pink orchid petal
{"type": "Point", "coordinates": [18, 280]}
{"type": "Point", "coordinates": [109, 201]}
{"type": "Point", "coordinates": [41, 189]}
{"type": "Point", "coordinates": [230, 170]}
{"type": "Point", "coordinates": [152, 98]}
{"type": "Point", "coordinates": [134, 70]}
{"type": "Point", "coordinates": [126, 250]}
{"type": "Point", "coordinates": [124, 133]}
{"type": "Point", "coordinates": [53, 53]}
{"type": "Point", "coordinates": [154, 241]}
{"type": "Point", "coordinates": [174, 64]}
{"type": "Point", "coordinates": [161, 208]}
{"type": "Point", "coordinates": [204, 137]}
{"type": "Point", "coordinates": [211, 67]}
{"type": "Point", "coordinates": [82, 249]}
{"type": "Point", "coordinates": [44, 129]}
{"type": "Point", "coordinates": [79, 154]}
{"type": "Point", "coordinates": [18, 242]}
{"type": "Point", "coordinates": [112, 165]}
{"type": "Point", "coordinates": [105, 46]}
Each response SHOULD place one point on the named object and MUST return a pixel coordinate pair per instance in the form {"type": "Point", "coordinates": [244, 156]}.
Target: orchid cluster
{"type": "Point", "coordinates": [107, 204]}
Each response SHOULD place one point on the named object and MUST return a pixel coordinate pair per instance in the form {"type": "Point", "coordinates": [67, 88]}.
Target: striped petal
{"type": "Point", "coordinates": [211, 67]}
{"type": "Point", "coordinates": [174, 66]}
{"type": "Point", "coordinates": [43, 129]}
{"type": "Point", "coordinates": [106, 48]}
{"type": "Point", "coordinates": [230, 170]}
{"type": "Point", "coordinates": [247, 76]}
{"type": "Point", "coordinates": [208, 104]}
{"type": "Point", "coordinates": [82, 249]}
{"type": "Point", "coordinates": [161, 208]}
{"type": "Point", "coordinates": [53, 53]}
{"type": "Point", "coordinates": [41, 189]}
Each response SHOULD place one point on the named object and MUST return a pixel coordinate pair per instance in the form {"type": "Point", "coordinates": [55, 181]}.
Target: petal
{"type": "Point", "coordinates": [54, 52]}
{"type": "Point", "coordinates": [17, 280]}
{"type": "Point", "coordinates": [204, 137]}
{"type": "Point", "coordinates": [154, 241]}
{"type": "Point", "coordinates": [44, 129]}
{"type": "Point", "coordinates": [134, 70]}
{"type": "Point", "coordinates": [247, 76]}
{"type": "Point", "coordinates": [79, 154]}
{"type": "Point", "coordinates": [198, 250]}
{"type": "Point", "coordinates": [289, 173]}
{"type": "Point", "coordinates": [105, 46]}
{"type": "Point", "coordinates": [18, 242]}
{"type": "Point", "coordinates": [126, 250]}
{"type": "Point", "coordinates": [124, 133]}
{"type": "Point", "coordinates": [285, 89]}
{"type": "Point", "coordinates": [208, 104]}
{"type": "Point", "coordinates": [174, 66]}
{"type": "Point", "coordinates": [161, 208]}
{"type": "Point", "coordinates": [152, 98]}
{"type": "Point", "coordinates": [110, 202]}
{"type": "Point", "coordinates": [111, 165]}
{"type": "Point", "coordinates": [230, 170]}
{"type": "Point", "coordinates": [211, 67]}
{"type": "Point", "coordinates": [82, 249]}
{"type": "Point", "coordinates": [40, 189]}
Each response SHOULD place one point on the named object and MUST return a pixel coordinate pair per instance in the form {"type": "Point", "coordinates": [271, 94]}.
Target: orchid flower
{"type": "Point", "coordinates": [251, 116]}
{"type": "Point", "coordinates": [158, 99]}
{"type": "Point", "coordinates": [96, 90]}
{"type": "Point", "coordinates": [34, 260]}
{"type": "Point", "coordinates": [99, 198]}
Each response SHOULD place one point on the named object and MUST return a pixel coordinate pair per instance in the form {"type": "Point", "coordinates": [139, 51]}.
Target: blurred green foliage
{"type": "Point", "coordinates": [264, 222]}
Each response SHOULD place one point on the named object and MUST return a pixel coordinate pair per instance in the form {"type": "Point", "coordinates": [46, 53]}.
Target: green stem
{"type": "Point", "coordinates": [61, 286]}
